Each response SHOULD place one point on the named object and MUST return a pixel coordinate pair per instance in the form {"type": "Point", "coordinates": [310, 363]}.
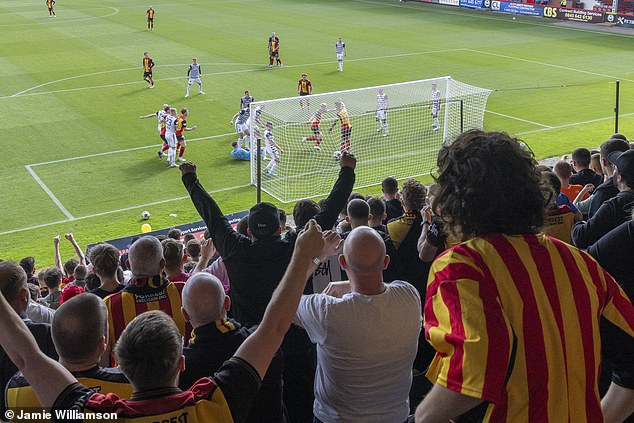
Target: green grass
{"type": "Point", "coordinates": [71, 86]}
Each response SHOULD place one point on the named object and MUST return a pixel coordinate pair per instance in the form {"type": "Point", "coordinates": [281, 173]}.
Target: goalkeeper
{"type": "Point", "coordinates": [346, 127]}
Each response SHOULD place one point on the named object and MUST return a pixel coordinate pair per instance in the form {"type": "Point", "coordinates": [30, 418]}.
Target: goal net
{"type": "Point", "coordinates": [304, 153]}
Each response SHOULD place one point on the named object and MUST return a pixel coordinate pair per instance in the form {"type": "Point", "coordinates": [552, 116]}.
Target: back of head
{"type": "Point", "coordinates": [364, 251]}
{"type": "Point", "coordinates": [563, 170]}
{"type": "Point", "coordinates": [242, 226]}
{"type": "Point", "coordinates": [105, 259]}
{"type": "Point", "coordinates": [80, 272]}
{"type": "Point", "coordinates": [28, 264]}
{"type": "Point", "coordinates": [611, 145]}
{"type": "Point", "coordinates": [552, 181]}
{"type": "Point", "coordinates": [488, 184]}
{"type": "Point", "coordinates": [69, 266]}
{"type": "Point", "coordinates": [174, 233]}
{"type": "Point", "coordinates": [145, 257]}
{"type": "Point", "coordinates": [203, 299]}
{"type": "Point", "coordinates": [193, 248]}
{"type": "Point", "coordinates": [377, 208]}
{"type": "Point", "coordinates": [389, 185]}
{"type": "Point", "coordinates": [618, 136]}
{"type": "Point", "coordinates": [413, 194]}
{"type": "Point", "coordinates": [52, 277]}
{"type": "Point", "coordinates": [358, 212]}
{"type": "Point", "coordinates": [264, 220]}
{"type": "Point", "coordinates": [581, 156]}
{"type": "Point", "coordinates": [79, 324]}
{"type": "Point", "coordinates": [188, 238]}
{"type": "Point", "coordinates": [352, 196]}
{"type": "Point", "coordinates": [12, 280]}
{"type": "Point", "coordinates": [149, 349]}
{"type": "Point", "coordinates": [303, 211]}
{"type": "Point", "coordinates": [173, 253]}
{"type": "Point", "coordinates": [92, 281]}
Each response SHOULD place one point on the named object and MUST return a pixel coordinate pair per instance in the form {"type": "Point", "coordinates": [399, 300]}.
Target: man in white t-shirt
{"type": "Point", "coordinates": [366, 340]}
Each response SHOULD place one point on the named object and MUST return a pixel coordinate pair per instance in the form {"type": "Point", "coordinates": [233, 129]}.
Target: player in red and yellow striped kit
{"type": "Point", "coordinates": [315, 121]}
{"type": "Point", "coordinates": [274, 51]}
{"type": "Point", "coordinates": [148, 64]}
{"type": "Point", "coordinates": [181, 125]}
{"type": "Point", "coordinates": [346, 127]}
{"type": "Point", "coordinates": [304, 88]}
{"type": "Point", "coordinates": [150, 19]}
{"type": "Point", "coordinates": [50, 5]}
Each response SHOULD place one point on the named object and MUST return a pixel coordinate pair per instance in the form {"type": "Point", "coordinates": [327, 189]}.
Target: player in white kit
{"type": "Point", "coordinates": [194, 74]}
{"type": "Point", "coordinates": [170, 135]}
{"type": "Point", "coordinates": [161, 126]}
{"type": "Point", "coordinates": [272, 149]}
{"type": "Point", "coordinates": [340, 48]}
{"type": "Point", "coordinates": [381, 112]}
{"type": "Point", "coordinates": [435, 107]}
{"type": "Point", "coordinates": [242, 129]}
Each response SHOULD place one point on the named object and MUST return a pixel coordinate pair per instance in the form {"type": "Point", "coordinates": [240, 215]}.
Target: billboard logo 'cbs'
{"type": "Point", "coordinates": [550, 12]}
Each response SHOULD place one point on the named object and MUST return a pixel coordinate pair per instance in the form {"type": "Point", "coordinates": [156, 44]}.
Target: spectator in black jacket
{"type": "Point", "coordinates": [614, 211]}
{"type": "Point", "coordinates": [255, 266]}
{"type": "Point", "coordinates": [607, 189]}
{"type": "Point", "coordinates": [393, 205]}
{"type": "Point", "coordinates": [581, 164]}
{"type": "Point", "coordinates": [15, 291]}
{"type": "Point", "coordinates": [216, 338]}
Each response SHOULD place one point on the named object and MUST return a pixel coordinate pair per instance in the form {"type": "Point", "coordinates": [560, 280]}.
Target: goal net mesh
{"type": "Point", "coordinates": [409, 149]}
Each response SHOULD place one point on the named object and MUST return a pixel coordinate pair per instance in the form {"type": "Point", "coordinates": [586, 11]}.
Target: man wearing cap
{"type": "Point", "coordinates": [614, 211]}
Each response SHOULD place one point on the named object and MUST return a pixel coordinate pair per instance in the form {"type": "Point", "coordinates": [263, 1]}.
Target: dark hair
{"type": "Point", "coordinates": [193, 248]}
{"type": "Point", "coordinates": [242, 226]}
{"type": "Point", "coordinates": [377, 207]}
{"type": "Point", "coordinates": [92, 281]}
{"type": "Point", "coordinates": [303, 211]}
{"type": "Point", "coordinates": [28, 264]}
{"type": "Point", "coordinates": [70, 265]}
{"type": "Point", "coordinates": [352, 196]}
{"type": "Point", "coordinates": [172, 253]}
{"type": "Point", "coordinates": [552, 181]}
{"type": "Point", "coordinates": [563, 170]}
{"type": "Point", "coordinates": [234, 144]}
{"type": "Point", "coordinates": [187, 238]}
{"type": "Point", "coordinates": [52, 277]}
{"type": "Point", "coordinates": [78, 325]}
{"type": "Point", "coordinates": [175, 233]}
{"type": "Point", "coordinates": [389, 185]}
{"type": "Point", "coordinates": [581, 156]}
{"type": "Point", "coordinates": [488, 184]}
{"type": "Point", "coordinates": [358, 209]}
{"type": "Point", "coordinates": [611, 145]}
{"type": "Point", "coordinates": [80, 272]}
{"type": "Point", "coordinates": [618, 136]}
{"type": "Point", "coordinates": [282, 217]}
{"type": "Point", "coordinates": [413, 194]}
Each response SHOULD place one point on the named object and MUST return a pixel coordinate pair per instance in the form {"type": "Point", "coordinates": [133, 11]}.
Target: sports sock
{"type": "Point", "coordinates": [180, 154]}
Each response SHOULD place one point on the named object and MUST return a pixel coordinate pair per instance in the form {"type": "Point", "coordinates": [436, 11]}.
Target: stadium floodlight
{"type": "Point", "coordinates": [409, 149]}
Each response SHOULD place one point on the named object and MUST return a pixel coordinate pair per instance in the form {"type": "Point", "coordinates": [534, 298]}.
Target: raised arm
{"type": "Point", "coordinates": [336, 201]}
{"type": "Point", "coordinates": [148, 116]}
{"type": "Point", "coordinates": [224, 237]}
{"type": "Point", "coordinates": [259, 348]}
{"type": "Point", "coordinates": [58, 257]}
{"type": "Point", "coordinates": [47, 377]}
{"type": "Point", "coordinates": [78, 251]}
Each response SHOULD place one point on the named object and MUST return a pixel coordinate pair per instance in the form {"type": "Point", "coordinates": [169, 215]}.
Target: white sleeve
{"type": "Point", "coordinates": [311, 315]}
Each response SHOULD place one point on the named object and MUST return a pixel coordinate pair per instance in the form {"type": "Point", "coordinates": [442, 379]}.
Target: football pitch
{"type": "Point", "coordinates": [77, 158]}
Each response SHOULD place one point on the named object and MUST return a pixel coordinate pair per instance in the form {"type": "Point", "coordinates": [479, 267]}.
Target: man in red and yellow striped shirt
{"type": "Point", "coordinates": [148, 64]}
{"type": "Point", "coordinates": [147, 291]}
{"type": "Point", "coordinates": [513, 314]}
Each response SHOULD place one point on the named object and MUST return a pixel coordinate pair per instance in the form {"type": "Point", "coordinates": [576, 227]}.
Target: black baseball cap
{"type": "Point", "coordinates": [264, 220]}
{"type": "Point", "coordinates": [624, 162]}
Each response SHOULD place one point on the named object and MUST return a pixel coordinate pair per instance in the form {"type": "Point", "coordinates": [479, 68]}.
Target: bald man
{"type": "Point", "coordinates": [366, 340]}
{"type": "Point", "coordinates": [215, 339]}
{"type": "Point", "coordinates": [80, 329]}
{"type": "Point", "coordinates": [148, 290]}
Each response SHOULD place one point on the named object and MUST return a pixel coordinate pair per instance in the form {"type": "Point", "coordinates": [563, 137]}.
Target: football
{"type": "Point", "coordinates": [145, 215]}
{"type": "Point", "coordinates": [337, 155]}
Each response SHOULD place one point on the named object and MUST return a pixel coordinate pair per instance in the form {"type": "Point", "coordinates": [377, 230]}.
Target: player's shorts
{"type": "Point", "coordinates": [275, 54]}
{"type": "Point", "coordinates": [241, 128]}
{"type": "Point", "coordinates": [381, 114]}
{"type": "Point", "coordinates": [192, 80]}
{"type": "Point", "coordinates": [272, 152]}
{"type": "Point", "coordinates": [435, 110]}
{"type": "Point", "coordinates": [171, 140]}
{"type": "Point", "coordinates": [50, 9]}
{"type": "Point", "coordinates": [315, 129]}
{"type": "Point", "coordinates": [339, 56]}
{"type": "Point", "coordinates": [179, 138]}
{"type": "Point", "coordinates": [150, 20]}
{"type": "Point", "coordinates": [345, 132]}
{"type": "Point", "coordinates": [163, 137]}
{"type": "Point", "coordinates": [303, 93]}
{"type": "Point", "coordinates": [147, 74]}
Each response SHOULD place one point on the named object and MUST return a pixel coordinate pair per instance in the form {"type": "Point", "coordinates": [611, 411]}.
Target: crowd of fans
{"type": "Point", "coordinates": [499, 293]}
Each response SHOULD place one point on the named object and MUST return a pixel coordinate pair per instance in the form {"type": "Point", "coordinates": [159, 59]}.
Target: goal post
{"type": "Point", "coordinates": [300, 170]}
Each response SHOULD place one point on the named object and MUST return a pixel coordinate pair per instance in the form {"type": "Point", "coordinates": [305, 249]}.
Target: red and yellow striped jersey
{"type": "Point", "coordinates": [316, 119]}
{"type": "Point", "coordinates": [50, 3]}
{"type": "Point", "coordinates": [181, 124]}
{"type": "Point", "coordinates": [274, 44]}
{"type": "Point", "coordinates": [304, 86]}
{"type": "Point", "coordinates": [140, 296]}
{"type": "Point", "coordinates": [150, 13]}
{"type": "Point", "coordinates": [148, 64]}
{"type": "Point", "coordinates": [515, 322]}
{"type": "Point", "coordinates": [344, 118]}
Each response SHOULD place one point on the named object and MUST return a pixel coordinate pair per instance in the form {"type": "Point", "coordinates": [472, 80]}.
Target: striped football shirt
{"type": "Point", "coordinates": [515, 322]}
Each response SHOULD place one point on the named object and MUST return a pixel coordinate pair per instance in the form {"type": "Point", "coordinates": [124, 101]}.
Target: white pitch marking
{"type": "Point", "coordinates": [552, 65]}
{"type": "Point", "coordinates": [43, 225]}
{"type": "Point", "coordinates": [106, 153]}
{"type": "Point", "coordinates": [572, 124]}
{"type": "Point", "coordinates": [49, 192]}
{"type": "Point", "coordinates": [516, 118]}
{"type": "Point", "coordinates": [26, 93]}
